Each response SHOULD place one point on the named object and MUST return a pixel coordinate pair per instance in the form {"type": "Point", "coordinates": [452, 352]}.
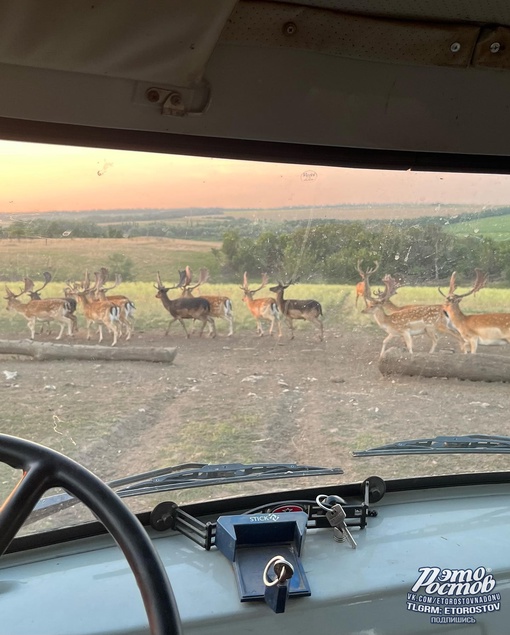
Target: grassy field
{"type": "Point", "coordinates": [68, 259]}
{"type": "Point", "coordinates": [496, 227]}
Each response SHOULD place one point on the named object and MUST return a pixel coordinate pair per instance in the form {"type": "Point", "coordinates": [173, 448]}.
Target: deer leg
{"type": "Point", "coordinates": [169, 325]}
{"type": "Point", "coordinates": [62, 327]}
{"type": "Point", "coordinates": [31, 326]}
{"type": "Point", "coordinates": [319, 323]}
{"type": "Point", "coordinates": [186, 330]}
{"type": "Point", "coordinates": [389, 337]}
{"type": "Point", "coordinates": [260, 330]}
{"type": "Point", "coordinates": [408, 340]}
{"type": "Point", "coordinates": [432, 334]}
{"type": "Point", "coordinates": [230, 321]}
{"type": "Point", "coordinates": [212, 326]}
{"type": "Point", "coordinates": [290, 324]}
{"type": "Point", "coordinates": [473, 344]}
{"type": "Point", "coordinates": [100, 331]}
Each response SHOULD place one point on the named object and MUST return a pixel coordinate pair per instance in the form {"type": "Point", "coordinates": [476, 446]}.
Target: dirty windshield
{"type": "Point", "coordinates": [167, 310]}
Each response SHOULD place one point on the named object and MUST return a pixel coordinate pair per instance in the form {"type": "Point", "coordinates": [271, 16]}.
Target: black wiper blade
{"type": "Point", "coordinates": [186, 476]}
{"type": "Point", "coordinates": [204, 475]}
{"type": "Point", "coordinates": [468, 444]}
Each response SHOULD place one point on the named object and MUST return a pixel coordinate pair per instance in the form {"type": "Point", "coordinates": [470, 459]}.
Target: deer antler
{"type": "Point", "coordinates": [368, 272]}
{"type": "Point", "coordinates": [479, 283]}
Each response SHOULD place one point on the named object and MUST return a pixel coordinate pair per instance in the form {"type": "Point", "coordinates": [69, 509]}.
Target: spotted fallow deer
{"type": "Point", "coordinates": [262, 308]}
{"type": "Point", "coordinates": [34, 294]}
{"type": "Point", "coordinates": [221, 306]}
{"type": "Point", "coordinates": [309, 310]}
{"type": "Point", "coordinates": [184, 308]}
{"type": "Point", "coordinates": [126, 306]}
{"type": "Point", "coordinates": [407, 322]}
{"type": "Point", "coordinates": [100, 312]}
{"type": "Point", "coordinates": [488, 329]}
{"type": "Point", "coordinates": [57, 310]}
{"type": "Point", "coordinates": [360, 287]}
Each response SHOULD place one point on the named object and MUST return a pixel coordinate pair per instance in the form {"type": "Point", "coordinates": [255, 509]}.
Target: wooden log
{"type": "Point", "coordinates": [48, 351]}
{"type": "Point", "coordinates": [479, 367]}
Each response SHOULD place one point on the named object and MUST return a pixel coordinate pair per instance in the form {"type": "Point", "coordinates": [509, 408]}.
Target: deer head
{"type": "Point", "coordinates": [454, 298]}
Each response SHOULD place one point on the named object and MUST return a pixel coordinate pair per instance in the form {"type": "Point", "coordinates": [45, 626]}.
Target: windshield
{"type": "Point", "coordinates": [97, 243]}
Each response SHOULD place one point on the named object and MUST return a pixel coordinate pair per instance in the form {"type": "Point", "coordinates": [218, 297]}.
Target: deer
{"type": "Point", "coordinates": [35, 295]}
{"type": "Point", "coordinates": [360, 287]}
{"type": "Point", "coordinates": [309, 310]}
{"type": "Point", "coordinates": [261, 308]}
{"type": "Point", "coordinates": [100, 312]}
{"type": "Point", "coordinates": [442, 326]}
{"type": "Point", "coordinates": [127, 307]}
{"type": "Point", "coordinates": [221, 306]}
{"type": "Point", "coordinates": [184, 308]}
{"type": "Point", "coordinates": [406, 322]}
{"type": "Point", "coordinates": [56, 309]}
{"type": "Point", "coordinates": [488, 329]}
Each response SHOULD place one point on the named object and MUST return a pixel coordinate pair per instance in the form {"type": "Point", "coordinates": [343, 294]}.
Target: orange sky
{"type": "Point", "coordinates": [43, 177]}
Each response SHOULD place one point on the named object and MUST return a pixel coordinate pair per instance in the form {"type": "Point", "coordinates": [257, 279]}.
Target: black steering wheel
{"type": "Point", "coordinates": [43, 469]}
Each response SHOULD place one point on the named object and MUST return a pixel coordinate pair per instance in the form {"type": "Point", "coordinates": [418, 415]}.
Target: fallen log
{"type": "Point", "coordinates": [50, 351]}
{"type": "Point", "coordinates": [479, 367]}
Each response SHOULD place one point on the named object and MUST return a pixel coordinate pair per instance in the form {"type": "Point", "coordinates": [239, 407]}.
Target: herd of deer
{"type": "Point", "coordinates": [446, 318]}
{"type": "Point", "coordinates": [116, 312]}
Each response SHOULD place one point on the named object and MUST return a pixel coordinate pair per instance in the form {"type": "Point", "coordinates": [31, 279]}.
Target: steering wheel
{"type": "Point", "coordinates": [43, 469]}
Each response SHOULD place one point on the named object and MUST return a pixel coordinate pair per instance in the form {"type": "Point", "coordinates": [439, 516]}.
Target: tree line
{"type": "Point", "coordinates": [329, 252]}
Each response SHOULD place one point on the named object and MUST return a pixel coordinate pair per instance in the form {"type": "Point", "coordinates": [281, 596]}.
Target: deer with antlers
{"type": "Point", "coordinates": [261, 308]}
{"type": "Point", "coordinates": [360, 287]}
{"type": "Point", "coordinates": [126, 306]}
{"type": "Point", "coordinates": [488, 329]}
{"type": "Point", "coordinates": [35, 295]}
{"type": "Point", "coordinates": [100, 312]}
{"type": "Point", "coordinates": [442, 325]}
{"type": "Point", "coordinates": [408, 321]}
{"type": "Point", "coordinates": [185, 308]}
{"type": "Point", "coordinates": [37, 310]}
{"type": "Point", "coordinates": [221, 306]}
{"type": "Point", "coordinates": [309, 310]}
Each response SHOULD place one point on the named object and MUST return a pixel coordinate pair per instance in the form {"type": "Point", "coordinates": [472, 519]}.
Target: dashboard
{"type": "Point", "coordinates": [431, 557]}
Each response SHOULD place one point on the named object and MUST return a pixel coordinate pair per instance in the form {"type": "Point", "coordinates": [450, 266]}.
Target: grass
{"type": "Point", "coordinates": [496, 227]}
{"type": "Point", "coordinates": [68, 259]}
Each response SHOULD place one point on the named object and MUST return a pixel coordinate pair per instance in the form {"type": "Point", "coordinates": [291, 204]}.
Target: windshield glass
{"type": "Point", "coordinates": [100, 241]}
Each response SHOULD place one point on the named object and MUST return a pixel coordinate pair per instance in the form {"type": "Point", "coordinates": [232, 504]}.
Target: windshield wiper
{"type": "Point", "coordinates": [186, 476]}
{"type": "Point", "coordinates": [469, 444]}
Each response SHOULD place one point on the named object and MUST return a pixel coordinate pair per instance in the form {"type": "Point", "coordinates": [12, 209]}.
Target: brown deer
{"type": "Point", "coordinates": [488, 329]}
{"type": "Point", "coordinates": [100, 312]}
{"type": "Point", "coordinates": [442, 326]}
{"type": "Point", "coordinates": [221, 306]}
{"type": "Point", "coordinates": [57, 310]}
{"type": "Point", "coordinates": [35, 295]}
{"type": "Point", "coordinates": [309, 310]}
{"type": "Point", "coordinates": [405, 323]}
{"type": "Point", "coordinates": [360, 287]}
{"type": "Point", "coordinates": [261, 308]}
{"type": "Point", "coordinates": [127, 307]}
{"type": "Point", "coordinates": [185, 308]}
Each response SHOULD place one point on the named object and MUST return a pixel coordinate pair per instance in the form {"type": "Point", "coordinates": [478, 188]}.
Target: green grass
{"type": "Point", "coordinates": [496, 227]}
{"type": "Point", "coordinates": [68, 259]}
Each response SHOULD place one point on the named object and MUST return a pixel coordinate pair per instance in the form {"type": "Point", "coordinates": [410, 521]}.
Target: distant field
{"type": "Point", "coordinates": [69, 258]}
{"type": "Point", "coordinates": [353, 212]}
{"type": "Point", "coordinates": [496, 227]}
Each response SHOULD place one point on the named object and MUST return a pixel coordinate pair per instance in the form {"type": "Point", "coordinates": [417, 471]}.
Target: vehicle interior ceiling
{"type": "Point", "coordinates": [385, 85]}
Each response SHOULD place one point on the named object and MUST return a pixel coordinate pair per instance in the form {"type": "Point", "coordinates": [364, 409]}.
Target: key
{"type": "Point", "coordinates": [336, 517]}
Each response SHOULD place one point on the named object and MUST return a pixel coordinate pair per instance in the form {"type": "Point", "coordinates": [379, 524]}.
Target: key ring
{"type": "Point", "coordinates": [282, 575]}
{"type": "Point", "coordinates": [322, 498]}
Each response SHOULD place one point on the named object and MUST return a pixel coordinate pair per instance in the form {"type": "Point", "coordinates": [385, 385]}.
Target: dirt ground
{"type": "Point", "coordinates": [247, 398]}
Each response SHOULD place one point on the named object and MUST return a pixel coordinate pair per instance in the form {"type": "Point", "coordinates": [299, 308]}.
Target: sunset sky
{"type": "Point", "coordinates": [37, 177]}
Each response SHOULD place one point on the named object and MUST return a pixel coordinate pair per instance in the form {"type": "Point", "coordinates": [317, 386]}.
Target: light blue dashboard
{"type": "Point", "coordinates": [454, 543]}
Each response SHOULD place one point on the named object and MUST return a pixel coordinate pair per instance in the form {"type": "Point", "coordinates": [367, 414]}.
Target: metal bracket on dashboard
{"type": "Point", "coordinates": [252, 541]}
